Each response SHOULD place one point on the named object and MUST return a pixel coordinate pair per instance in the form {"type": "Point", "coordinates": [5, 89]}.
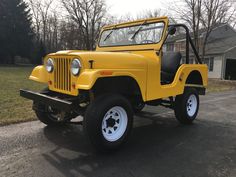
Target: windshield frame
{"type": "Point", "coordinates": [117, 27]}
{"type": "Point", "coordinates": [155, 47]}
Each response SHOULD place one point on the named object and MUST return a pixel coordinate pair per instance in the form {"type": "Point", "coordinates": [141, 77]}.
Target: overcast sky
{"type": "Point", "coordinates": [133, 7]}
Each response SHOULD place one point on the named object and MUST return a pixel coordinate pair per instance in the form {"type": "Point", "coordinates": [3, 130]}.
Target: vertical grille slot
{"type": "Point", "coordinates": [62, 75]}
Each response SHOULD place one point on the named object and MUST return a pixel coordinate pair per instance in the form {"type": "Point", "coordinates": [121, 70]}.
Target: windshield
{"type": "Point", "coordinates": [132, 35]}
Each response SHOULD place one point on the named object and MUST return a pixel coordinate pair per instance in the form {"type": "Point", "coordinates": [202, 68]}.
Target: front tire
{"type": "Point", "coordinates": [49, 115]}
{"type": "Point", "coordinates": [138, 107]}
{"type": "Point", "coordinates": [108, 121]}
{"type": "Point", "coordinates": [186, 106]}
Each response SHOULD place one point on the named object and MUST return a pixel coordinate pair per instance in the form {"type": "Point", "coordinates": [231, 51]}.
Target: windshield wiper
{"type": "Point", "coordinates": [109, 34]}
{"type": "Point", "coordinates": [137, 31]}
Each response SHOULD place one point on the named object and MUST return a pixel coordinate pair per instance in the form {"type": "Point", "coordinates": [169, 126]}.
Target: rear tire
{"type": "Point", "coordinates": [108, 121]}
{"type": "Point", "coordinates": [186, 106]}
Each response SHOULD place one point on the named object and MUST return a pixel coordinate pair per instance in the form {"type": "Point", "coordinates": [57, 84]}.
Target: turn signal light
{"type": "Point", "coordinates": [73, 85]}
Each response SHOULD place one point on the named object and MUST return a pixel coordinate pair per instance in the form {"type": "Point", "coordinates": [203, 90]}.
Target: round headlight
{"type": "Point", "coordinates": [75, 67]}
{"type": "Point", "coordinates": [49, 65]}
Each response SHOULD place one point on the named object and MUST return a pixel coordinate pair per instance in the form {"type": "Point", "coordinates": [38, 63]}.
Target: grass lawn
{"type": "Point", "coordinates": [15, 109]}
{"type": "Point", "coordinates": [220, 85]}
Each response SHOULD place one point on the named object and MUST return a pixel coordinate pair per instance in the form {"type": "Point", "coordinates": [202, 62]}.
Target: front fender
{"type": "Point", "coordinates": [88, 77]}
{"type": "Point", "coordinates": [39, 74]}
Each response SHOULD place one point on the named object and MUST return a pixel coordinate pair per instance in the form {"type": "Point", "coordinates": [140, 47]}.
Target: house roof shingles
{"type": "Point", "coordinates": [216, 44]}
{"type": "Point", "coordinates": [221, 45]}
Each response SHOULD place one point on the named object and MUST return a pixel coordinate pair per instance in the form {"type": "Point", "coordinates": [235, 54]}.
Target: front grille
{"type": "Point", "coordinates": [62, 74]}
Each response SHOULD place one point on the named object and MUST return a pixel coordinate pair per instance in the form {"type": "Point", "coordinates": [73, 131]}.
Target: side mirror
{"type": "Point", "coordinates": [171, 30]}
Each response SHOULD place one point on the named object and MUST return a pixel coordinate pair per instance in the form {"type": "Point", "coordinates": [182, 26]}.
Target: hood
{"type": "Point", "coordinates": [107, 60]}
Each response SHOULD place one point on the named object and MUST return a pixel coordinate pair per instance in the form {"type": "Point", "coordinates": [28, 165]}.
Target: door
{"type": "Point", "coordinates": [230, 69]}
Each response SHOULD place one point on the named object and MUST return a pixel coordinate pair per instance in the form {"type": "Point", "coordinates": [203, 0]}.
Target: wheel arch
{"type": "Point", "coordinates": [194, 77]}
{"type": "Point", "coordinates": [124, 85]}
{"type": "Point", "coordinates": [195, 80]}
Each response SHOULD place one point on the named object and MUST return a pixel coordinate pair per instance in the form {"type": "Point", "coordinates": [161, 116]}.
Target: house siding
{"type": "Point", "coordinates": [217, 68]}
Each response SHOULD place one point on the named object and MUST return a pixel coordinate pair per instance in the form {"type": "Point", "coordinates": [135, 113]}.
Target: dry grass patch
{"type": "Point", "coordinates": [215, 85]}
{"type": "Point", "coordinates": [14, 108]}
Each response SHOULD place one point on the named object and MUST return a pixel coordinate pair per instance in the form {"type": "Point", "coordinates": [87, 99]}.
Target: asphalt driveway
{"type": "Point", "coordinates": [158, 147]}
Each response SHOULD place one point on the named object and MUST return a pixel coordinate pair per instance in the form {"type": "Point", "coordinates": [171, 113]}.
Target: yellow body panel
{"type": "Point", "coordinates": [142, 63]}
{"type": "Point", "coordinates": [89, 77]}
{"type": "Point", "coordinates": [155, 90]}
{"type": "Point", "coordinates": [39, 74]}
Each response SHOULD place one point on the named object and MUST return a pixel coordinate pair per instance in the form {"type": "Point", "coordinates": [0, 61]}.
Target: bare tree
{"type": "Point", "coordinates": [47, 21]}
{"type": "Point", "coordinates": [88, 15]}
{"type": "Point", "coordinates": [70, 36]}
{"type": "Point", "coordinates": [234, 16]}
{"type": "Point", "coordinates": [44, 8]}
{"type": "Point", "coordinates": [189, 11]}
{"type": "Point", "coordinates": [52, 35]}
{"type": "Point", "coordinates": [214, 12]}
{"type": "Point", "coordinates": [36, 17]}
{"type": "Point", "coordinates": [40, 11]}
{"type": "Point", "coordinates": [196, 10]}
{"type": "Point", "coordinates": [204, 14]}
{"type": "Point", "coordinates": [141, 15]}
{"type": "Point", "coordinates": [151, 14]}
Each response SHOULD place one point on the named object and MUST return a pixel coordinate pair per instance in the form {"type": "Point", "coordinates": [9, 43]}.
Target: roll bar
{"type": "Point", "coordinates": [188, 40]}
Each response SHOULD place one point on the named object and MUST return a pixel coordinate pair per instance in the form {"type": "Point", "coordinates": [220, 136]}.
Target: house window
{"type": "Point", "coordinates": [170, 47]}
{"type": "Point", "coordinates": [182, 46]}
{"type": "Point", "coordinates": [210, 63]}
{"type": "Point", "coordinates": [190, 60]}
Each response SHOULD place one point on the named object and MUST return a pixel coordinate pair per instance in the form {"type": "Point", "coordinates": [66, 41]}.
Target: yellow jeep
{"type": "Point", "coordinates": [127, 71]}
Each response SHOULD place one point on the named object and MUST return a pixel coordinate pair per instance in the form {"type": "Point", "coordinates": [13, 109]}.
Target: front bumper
{"type": "Point", "coordinates": [47, 100]}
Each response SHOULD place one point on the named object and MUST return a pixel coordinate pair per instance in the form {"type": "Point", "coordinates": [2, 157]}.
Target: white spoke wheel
{"type": "Point", "coordinates": [108, 121]}
{"type": "Point", "coordinates": [191, 105]}
{"type": "Point", "coordinates": [114, 123]}
{"type": "Point", "coordinates": [186, 106]}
